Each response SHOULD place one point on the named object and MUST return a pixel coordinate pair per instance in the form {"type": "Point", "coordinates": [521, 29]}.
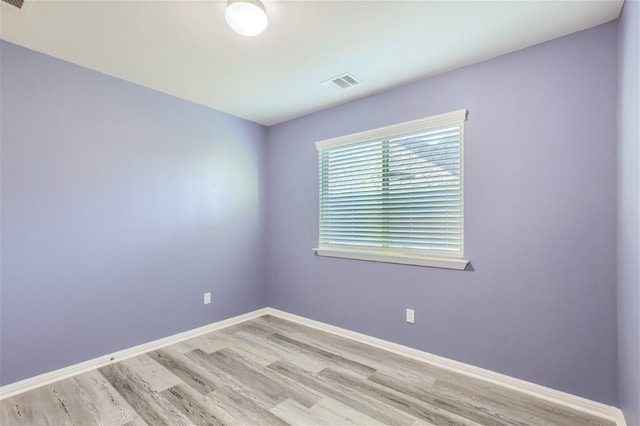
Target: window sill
{"type": "Point", "coordinates": [435, 262]}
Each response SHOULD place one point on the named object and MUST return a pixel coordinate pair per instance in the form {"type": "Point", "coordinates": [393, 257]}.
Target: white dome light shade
{"type": "Point", "coordinates": [246, 17]}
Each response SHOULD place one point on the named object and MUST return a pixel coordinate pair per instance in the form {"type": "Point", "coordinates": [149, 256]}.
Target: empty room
{"type": "Point", "coordinates": [242, 212]}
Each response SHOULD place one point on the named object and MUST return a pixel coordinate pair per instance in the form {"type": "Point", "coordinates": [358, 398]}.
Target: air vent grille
{"type": "Point", "coordinates": [341, 82]}
{"type": "Point", "coordinates": [16, 3]}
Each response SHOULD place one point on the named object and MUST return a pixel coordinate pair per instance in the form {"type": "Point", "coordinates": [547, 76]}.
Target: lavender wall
{"type": "Point", "coordinates": [540, 158]}
{"type": "Point", "coordinates": [121, 206]}
{"type": "Point", "coordinates": [629, 211]}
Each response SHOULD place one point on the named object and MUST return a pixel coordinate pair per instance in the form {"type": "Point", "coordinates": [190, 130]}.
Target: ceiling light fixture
{"type": "Point", "coordinates": [246, 17]}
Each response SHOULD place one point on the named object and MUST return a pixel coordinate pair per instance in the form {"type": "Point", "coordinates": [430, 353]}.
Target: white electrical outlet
{"type": "Point", "coordinates": [207, 298]}
{"type": "Point", "coordinates": [411, 316]}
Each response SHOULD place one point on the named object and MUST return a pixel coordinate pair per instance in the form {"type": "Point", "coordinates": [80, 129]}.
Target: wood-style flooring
{"type": "Point", "coordinates": [272, 371]}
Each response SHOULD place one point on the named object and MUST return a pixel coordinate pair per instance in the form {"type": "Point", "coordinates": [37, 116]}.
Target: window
{"type": "Point", "coordinates": [395, 194]}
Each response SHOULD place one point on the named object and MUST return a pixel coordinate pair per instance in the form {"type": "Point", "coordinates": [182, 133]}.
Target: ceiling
{"type": "Point", "coordinates": [184, 48]}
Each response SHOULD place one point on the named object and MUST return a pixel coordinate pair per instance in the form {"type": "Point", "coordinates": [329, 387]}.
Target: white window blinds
{"type": "Point", "coordinates": [395, 192]}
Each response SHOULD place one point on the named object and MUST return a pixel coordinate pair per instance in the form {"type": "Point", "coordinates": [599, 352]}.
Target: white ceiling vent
{"type": "Point", "coordinates": [24, 5]}
{"type": "Point", "coordinates": [341, 82]}
{"type": "Point", "coordinates": [16, 3]}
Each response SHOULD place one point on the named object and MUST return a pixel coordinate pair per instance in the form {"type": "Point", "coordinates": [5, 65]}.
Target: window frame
{"type": "Point", "coordinates": [421, 257]}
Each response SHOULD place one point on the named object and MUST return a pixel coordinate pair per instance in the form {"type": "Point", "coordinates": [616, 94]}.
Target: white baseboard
{"type": "Point", "coordinates": [587, 406]}
{"type": "Point", "coordinates": [25, 385]}
{"type": "Point", "coordinates": [584, 405]}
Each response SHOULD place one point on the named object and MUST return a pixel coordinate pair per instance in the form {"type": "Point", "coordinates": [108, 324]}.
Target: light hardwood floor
{"type": "Point", "coordinates": [272, 371]}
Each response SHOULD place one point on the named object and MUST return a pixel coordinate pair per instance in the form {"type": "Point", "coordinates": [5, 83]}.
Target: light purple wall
{"type": "Point", "coordinates": [629, 211]}
{"type": "Point", "coordinates": [540, 182]}
{"type": "Point", "coordinates": [121, 206]}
